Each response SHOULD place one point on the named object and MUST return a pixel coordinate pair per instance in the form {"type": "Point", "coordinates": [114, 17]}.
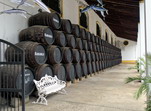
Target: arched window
{"type": "Point", "coordinates": [98, 30]}
{"type": "Point", "coordinates": [106, 36]}
{"type": "Point", "coordinates": [83, 20]}
{"type": "Point", "coordinates": [53, 4]}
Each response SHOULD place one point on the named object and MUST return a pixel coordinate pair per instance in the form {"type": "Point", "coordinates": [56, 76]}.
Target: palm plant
{"type": "Point", "coordinates": [144, 88]}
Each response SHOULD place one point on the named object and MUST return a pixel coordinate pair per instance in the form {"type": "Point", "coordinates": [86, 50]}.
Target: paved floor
{"type": "Point", "coordinates": [102, 92]}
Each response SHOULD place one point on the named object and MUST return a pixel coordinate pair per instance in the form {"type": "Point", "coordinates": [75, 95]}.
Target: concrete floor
{"type": "Point", "coordinates": [102, 92]}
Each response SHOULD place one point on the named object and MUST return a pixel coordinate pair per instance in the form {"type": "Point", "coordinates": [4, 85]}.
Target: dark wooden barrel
{"type": "Point", "coordinates": [94, 67]}
{"type": "Point", "coordinates": [47, 19]}
{"type": "Point", "coordinates": [66, 55]}
{"type": "Point", "coordinates": [93, 38]}
{"type": "Point", "coordinates": [97, 39]}
{"type": "Point", "coordinates": [94, 46]}
{"type": "Point", "coordinates": [84, 69]}
{"type": "Point", "coordinates": [88, 56]}
{"type": "Point", "coordinates": [83, 56]}
{"type": "Point", "coordinates": [60, 71]}
{"type": "Point", "coordinates": [54, 54]}
{"type": "Point", "coordinates": [98, 48]}
{"type": "Point", "coordinates": [76, 56]}
{"type": "Point", "coordinates": [35, 53]}
{"type": "Point", "coordinates": [93, 56]}
{"type": "Point", "coordinates": [100, 57]}
{"type": "Point", "coordinates": [90, 48]}
{"type": "Point", "coordinates": [103, 56]}
{"type": "Point", "coordinates": [76, 30]}
{"type": "Point", "coordinates": [42, 70]}
{"type": "Point", "coordinates": [60, 38]}
{"type": "Point", "coordinates": [100, 41]}
{"type": "Point", "coordinates": [78, 70]}
{"type": "Point", "coordinates": [82, 33]}
{"type": "Point", "coordinates": [96, 56]}
{"type": "Point", "coordinates": [97, 66]}
{"type": "Point", "coordinates": [88, 35]}
{"type": "Point", "coordinates": [79, 43]}
{"type": "Point", "coordinates": [85, 45]}
{"type": "Point", "coordinates": [66, 26]}
{"type": "Point", "coordinates": [70, 72]}
{"type": "Point", "coordinates": [89, 65]}
{"type": "Point", "coordinates": [71, 41]}
{"type": "Point", "coordinates": [11, 77]}
{"type": "Point", "coordinates": [41, 34]}
{"type": "Point", "coordinates": [100, 64]}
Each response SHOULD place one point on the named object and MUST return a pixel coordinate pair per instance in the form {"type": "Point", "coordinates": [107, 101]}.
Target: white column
{"type": "Point", "coordinates": [138, 48]}
{"type": "Point", "coordinates": [142, 30]}
{"type": "Point", "coordinates": [148, 29]}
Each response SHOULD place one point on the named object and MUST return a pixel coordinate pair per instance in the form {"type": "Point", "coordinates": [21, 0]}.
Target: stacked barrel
{"type": "Point", "coordinates": [55, 46]}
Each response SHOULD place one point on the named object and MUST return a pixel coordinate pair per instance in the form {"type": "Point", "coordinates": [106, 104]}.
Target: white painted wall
{"type": "Point", "coordinates": [11, 25]}
{"type": "Point", "coordinates": [129, 52]}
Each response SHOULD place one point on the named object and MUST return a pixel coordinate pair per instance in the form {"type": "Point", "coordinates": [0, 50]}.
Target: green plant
{"type": "Point", "coordinates": [148, 108]}
{"type": "Point", "coordinates": [140, 66]}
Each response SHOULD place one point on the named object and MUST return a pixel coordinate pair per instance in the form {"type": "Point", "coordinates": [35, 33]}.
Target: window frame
{"type": "Point", "coordinates": [87, 17]}
{"type": "Point", "coordinates": [99, 24]}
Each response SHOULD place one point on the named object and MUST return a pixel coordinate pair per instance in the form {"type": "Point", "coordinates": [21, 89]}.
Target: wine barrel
{"type": "Point", "coordinates": [82, 33]}
{"type": "Point", "coordinates": [94, 46]}
{"type": "Point", "coordinates": [85, 45]}
{"type": "Point", "coordinates": [70, 72]}
{"type": "Point", "coordinates": [88, 36]}
{"type": "Point", "coordinates": [99, 41]}
{"type": "Point", "coordinates": [54, 54]}
{"type": "Point", "coordinates": [83, 56]}
{"type": "Point", "coordinates": [84, 69]}
{"type": "Point", "coordinates": [98, 48]}
{"type": "Point", "coordinates": [71, 41]}
{"type": "Point", "coordinates": [60, 71]}
{"type": "Point", "coordinates": [79, 43]}
{"type": "Point", "coordinates": [60, 38]}
{"type": "Point", "coordinates": [96, 56]}
{"type": "Point", "coordinates": [11, 77]}
{"type": "Point", "coordinates": [93, 56]}
{"type": "Point", "coordinates": [42, 70]}
{"type": "Point", "coordinates": [94, 67]}
{"type": "Point", "coordinates": [97, 66]}
{"type": "Point", "coordinates": [47, 19]}
{"type": "Point", "coordinates": [66, 26]}
{"type": "Point", "coordinates": [100, 63]}
{"type": "Point", "coordinates": [41, 34]}
{"type": "Point", "coordinates": [100, 56]}
{"type": "Point", "coordinates": [66, 55]}
{"type": "Point", "coordinates": [35, 53]}
{"type": "Point", "coordinates": [88, 56]}
{"type": "Point", "coordinates": [89, 65]}
{"type": "Point", "coordinates": [90, 48]}
{"type": "Point", "coordinates": [78, 70]}
{"type": "Point", "coordinates": [76, 30]}
{"type": "Point", "coordinates": [93, 38]}
{"type": "Point", "coordinates": [96, 39]}
{"type": "Point", "coordinates": [76, 56]}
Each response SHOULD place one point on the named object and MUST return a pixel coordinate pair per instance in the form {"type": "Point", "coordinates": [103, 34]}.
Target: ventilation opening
{"type": "Point", "coordinates": [125, 42]}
